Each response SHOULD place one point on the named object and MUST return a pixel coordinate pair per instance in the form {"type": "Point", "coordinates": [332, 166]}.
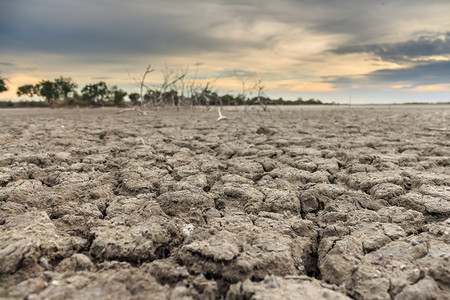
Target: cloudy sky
{"type": "Point", "coordinates": [369, 51]}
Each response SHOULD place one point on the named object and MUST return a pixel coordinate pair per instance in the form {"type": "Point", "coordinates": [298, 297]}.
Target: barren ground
{"type": "Point", "coordinates": [327, 202]}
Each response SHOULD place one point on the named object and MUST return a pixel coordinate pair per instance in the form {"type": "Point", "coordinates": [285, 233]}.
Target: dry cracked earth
{"type": "Point", "coordinates": [330, 202]}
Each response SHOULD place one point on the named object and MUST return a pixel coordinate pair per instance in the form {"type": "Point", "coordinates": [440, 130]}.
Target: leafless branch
{"type": "Point", "coordinates": [147, 71]}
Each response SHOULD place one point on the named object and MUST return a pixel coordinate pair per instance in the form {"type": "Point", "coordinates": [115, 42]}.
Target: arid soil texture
{"type": "Point", "coordinates": [330, 202]}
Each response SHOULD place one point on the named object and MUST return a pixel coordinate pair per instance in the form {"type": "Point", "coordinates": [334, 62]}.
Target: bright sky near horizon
{"type": "Point", "coordinates": [370, 51]}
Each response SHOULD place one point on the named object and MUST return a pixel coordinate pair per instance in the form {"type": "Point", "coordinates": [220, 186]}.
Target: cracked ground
{"type": "Point", "coordinates": [330, 202]}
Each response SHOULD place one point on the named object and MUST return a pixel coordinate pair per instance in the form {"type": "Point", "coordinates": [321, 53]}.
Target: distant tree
{"type": "Point", "coordinates": [134, 97]}
{"type": "Point", "coordinates": [3, 87]}
{"type": "Point", "coordinates": [96, 93]}
{"type": "Point", "coordinates": [150, 96]}
{"type": "Point", "coordinates": [49, 90]}
{"type": "Point", "coordinates": [211, 98]}
{"type": "Point", "coordinates": [313, 101]}
{"type": "Point", "coordinates": [226, 99]}
{"type": "Point", "coordinates": [240, 99]}
{"type": "Point", "coordinates": [27, 89]}
{"type": "Point", "coordinates": [65, 86]}
{"type": "Point", "coordinates": [171, 95]}
{"type": "Point", "coordinates": [118, 95]}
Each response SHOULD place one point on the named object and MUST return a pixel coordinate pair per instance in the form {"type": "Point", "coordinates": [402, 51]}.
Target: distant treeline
{"type": "Point", "coordinates": [221, 100]}
{"type": "Point", "coordinates": [27, 103]}
{"type": "Point", "coordinates": [173, 92]}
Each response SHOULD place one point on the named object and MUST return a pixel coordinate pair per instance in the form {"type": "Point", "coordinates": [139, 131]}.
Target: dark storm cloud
{"type": "Point", "coordinates": [403, 51]}
{"type": "Point", "coordinates": [431, 73]}
{"type": "Point", "coordinates": [113, 27]}
{"type": "Point", "coordinates": [425, 74]}
{"type": "Point", "coordinates": [418, 56]}
{"type": "Point", "coordinates": [180, 26]}
{"type": "Point", "coordinates": [164, 27]}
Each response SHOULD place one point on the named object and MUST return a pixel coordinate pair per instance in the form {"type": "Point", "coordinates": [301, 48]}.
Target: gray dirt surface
{"type": "Point", "coordinates": [319, 202]}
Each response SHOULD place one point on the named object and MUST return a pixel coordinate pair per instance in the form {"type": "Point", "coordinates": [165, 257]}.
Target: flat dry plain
{"type": "Point", "coordinates": [328, 202]}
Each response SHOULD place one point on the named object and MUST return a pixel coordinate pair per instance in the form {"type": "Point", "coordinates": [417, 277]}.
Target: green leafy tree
{"type": "Point", "coordinates": [28, 89]}
{"type": "Point", "coordinates": [49, 90]}
{"type": "Point", "coordinates": [65, 86]}
{"type": "Point", "coordinates": [118, 95]}
{"type": "Point", "coordinates": [134, 97]}
{"type": "Point", "coordinates": [209, 98]}
{"type": "Point", "coordinates": [226, 99]}
{"type": "Point", "coordinates": [95, 93]}
{"type": "Point", "coordinates": [3, 87]}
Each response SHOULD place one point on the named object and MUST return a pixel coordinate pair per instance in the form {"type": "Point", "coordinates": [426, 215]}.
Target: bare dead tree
{"type": "Point", "coordinates": [259, 87]}
{"type": "Point", "coordinates": [204, 94]}
{"type": "Point", "coordinates": [142, 83]}
{"type": "Point", "coordinates": [243, 78]}
{"type": "Point", "coordinates": [167, 75]}
{"type": "Point", "coordinates": [208, 90]}
{"type": "Point", "coordinates": [199, 92]}
{"type": "Point", "coordinates": [193, 86]}
{"type": "Point", "coordinates": [169, 80]}
{"type": "Point", "coordinates": [176, 88]}
{"type": "Point", "coordinates": [180, 86]}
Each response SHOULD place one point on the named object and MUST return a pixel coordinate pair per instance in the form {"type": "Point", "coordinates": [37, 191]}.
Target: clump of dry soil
{"type": "Point", "coordinates": [311, 203]}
